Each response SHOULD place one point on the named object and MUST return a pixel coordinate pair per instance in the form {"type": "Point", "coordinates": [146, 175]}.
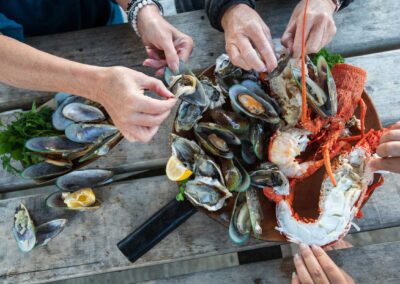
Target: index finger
{"type": "Point", "coordinates": [331, 270]}
{"type": "Point", "coordinates": [154, 106]}
{"type": "Point", "coordinates": [264, 47]}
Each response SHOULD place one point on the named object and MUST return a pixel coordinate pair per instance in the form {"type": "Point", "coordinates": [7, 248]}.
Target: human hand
{"type": "Point", "coordinates": [165, 45]}
{"type": "Point", "coordinates": [313, 265]}
{"type": "Point", "coordinates": [248, 40]}
{"type": "Point", "coordinates": [136, 115]}
{"type": "Point", "coordinates": [389, 151]}
{"type": "Point", "coordinates": [319, 31]}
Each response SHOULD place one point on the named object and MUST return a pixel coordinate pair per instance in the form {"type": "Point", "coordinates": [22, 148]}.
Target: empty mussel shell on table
{"type": "Point", "coordinates": [59, 121]}
{"type": "Point", "coordinates": [89, 133]}
{"type": "Point", "coordinates": [84, 178]}
{"type": "Point", "coordinates": [101, 148]}
{"type": "Point", "coordinates": [44, 170]}
{"type": "Point", "coordinates": [54, 145]}
{"type": "Point", "coordinates": [79, 112]}
{"type": "Point", "coordinates": [48, 231]}
{"type": "Point", "coordinates": [24, 230]}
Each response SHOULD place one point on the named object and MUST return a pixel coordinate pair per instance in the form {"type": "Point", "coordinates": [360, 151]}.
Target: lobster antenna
{"type": "Point", "coordinates": [303, 68]}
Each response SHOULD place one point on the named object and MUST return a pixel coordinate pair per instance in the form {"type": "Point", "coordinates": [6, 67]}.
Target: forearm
{"type": "Point", "coordinates": [26, 67]}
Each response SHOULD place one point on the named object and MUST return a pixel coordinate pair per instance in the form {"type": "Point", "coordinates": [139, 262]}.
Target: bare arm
{"type": "Point", "coordinates": [26, 67]}
{"type": "Point", "coordinates": [120, 90]}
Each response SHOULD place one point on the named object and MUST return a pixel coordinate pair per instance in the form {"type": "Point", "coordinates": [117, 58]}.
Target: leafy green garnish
{"type": "Point", "coordinates": [331, 58]}
{"type": "Point", "coordinates": [27, 125]}
{"type": "Point", "coordinates": [181, 195]}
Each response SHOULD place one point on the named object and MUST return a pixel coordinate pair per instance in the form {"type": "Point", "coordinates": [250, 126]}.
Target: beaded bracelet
{"type": "Point", "coordinates": [134, 7]}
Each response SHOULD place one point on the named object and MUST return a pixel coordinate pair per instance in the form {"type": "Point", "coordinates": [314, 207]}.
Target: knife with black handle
{"type": "Point", "coordinates": [151, 232]}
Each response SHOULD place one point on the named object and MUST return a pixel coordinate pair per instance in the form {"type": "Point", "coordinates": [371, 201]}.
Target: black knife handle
{"type": "Point", "coordinates": [170, 217]}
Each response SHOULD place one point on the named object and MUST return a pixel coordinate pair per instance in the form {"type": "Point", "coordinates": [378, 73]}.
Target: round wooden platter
{"type": "Point", "coordinates": [307, 192]}
{"type": "Point", "coordinates": [76, 165]}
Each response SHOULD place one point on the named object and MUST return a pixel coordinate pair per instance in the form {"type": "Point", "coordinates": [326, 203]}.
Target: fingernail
{"type": "Point", "coordinates": [303, 247]}
{"type": "Point", "coordinates": [294, 275]}
{"type": "Point", "coordinates": [315, 248]}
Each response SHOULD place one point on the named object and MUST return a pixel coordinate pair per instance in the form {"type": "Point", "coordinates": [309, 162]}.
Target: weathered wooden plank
{"type": "Point", "coordinates": [370, 264]}
{"type": "Point", "coordinates": [88, 244]}
{"type": "Point", "coordinates": [117, 45]}
{"type": "Point", "coordinates": [382, 85]}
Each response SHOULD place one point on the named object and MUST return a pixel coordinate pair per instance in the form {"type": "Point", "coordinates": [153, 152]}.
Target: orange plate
{"type": "Point", "coordinates": [306, 203]}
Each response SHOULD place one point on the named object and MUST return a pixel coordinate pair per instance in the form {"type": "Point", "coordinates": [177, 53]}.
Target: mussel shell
{"type": "Point", "coordinates": [271, 178]}
{"type": "Point", "coordinates": [60, 97]}
{"type": "Point", "coordinates": [89, 133]}
{"type": "Point", "coordinates": [262, 109]}
{"type": "Point", "coordinates": [215, 97]}
{"type": "Point", "coordinates": [59, 121]}
{"type": "Point", "coordinates": [102, 148]}
{"type": "Point", "coordinates": [54, 145]}
{"type": "Point", "coordinates": [185, 150]}
{"type": "Point", "coordinates": [189, 89]}
{"type": "Point", "coordinates": [79, 112]}
{"type": "Point", "coordinates": [48, 231]}
{"type": "Point", "coordinates": [231, 121]}
{"type": "Point", "coordinates": [247, 153]}
{"type": "Point", "coordinates": [316, 96]}
{"type": "Point", "coordinates": [206, 192]}
{"type": "Point", "coordinates": [239, 225]}
{"type": "Point", "coordinates": [256, 89]}
{"type": "Point", "coordinates": [215, 139]}
{"type": "Point", "coordinates": [327, 82]}
{"type": "Point", "coordinates": [235, 175]}
{"type": "Point", "coordinates": [24, 229]}
{"type": "Point", "coordinates": [258, 137]}
{"type": "Point", "coordinates": [84, 178]}
{"type": "Point", "coordinates": [187, 116]}
{"type": "Point", "coordinates": [255, 211]}
{"type": "Point", "coordinates": [169, 75]}
{"type": "Point", "coordinates": [55, 201]}
{"type": "Point", "coordinates": [206, 167]}
{"type": "Point", "coordinates": [44, 170]}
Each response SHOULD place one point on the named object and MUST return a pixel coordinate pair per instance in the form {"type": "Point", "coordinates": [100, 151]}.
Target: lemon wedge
{"type": "Point", "coordinates": [176, 170]}
{"type": "Point", "coordinates": [82, 198]}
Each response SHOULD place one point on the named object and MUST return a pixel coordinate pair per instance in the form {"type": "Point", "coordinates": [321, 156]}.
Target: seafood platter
{"type": "Point", "coordinates": [278, 157]}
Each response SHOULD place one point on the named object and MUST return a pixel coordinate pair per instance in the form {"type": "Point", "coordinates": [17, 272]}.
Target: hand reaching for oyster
{"type": "Point", "coordinates": [136, 115]}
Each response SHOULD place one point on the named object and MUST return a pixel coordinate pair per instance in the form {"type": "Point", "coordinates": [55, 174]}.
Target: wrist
{"type": "Point", "coordinates": [332, 6]}
{"type": "Point", "coordinates": [146, 16]}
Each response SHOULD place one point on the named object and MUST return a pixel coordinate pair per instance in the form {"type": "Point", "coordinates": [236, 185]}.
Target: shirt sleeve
{"type": "Point", "coordinates": [11, 28]}
{"type": "Point", "coordinates": [215, 9]}
{"type": "Point", "coordinates": [345, 3]}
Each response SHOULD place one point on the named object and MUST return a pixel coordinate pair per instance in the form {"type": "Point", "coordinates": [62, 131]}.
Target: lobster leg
{"type": "Point", "coordinates": [363, 111]}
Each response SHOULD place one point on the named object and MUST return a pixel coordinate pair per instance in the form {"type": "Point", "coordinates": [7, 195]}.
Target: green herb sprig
{"type": "Point", "coordinates": [27, 125]}
{"type": "Point", "coordinates": [181, 195]}
{"type": "Point", "coordinates": [331, 58]}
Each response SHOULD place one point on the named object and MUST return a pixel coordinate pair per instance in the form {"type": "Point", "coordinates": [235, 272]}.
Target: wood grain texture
{"type": "Point", "coordinates": [117, 45]}
{"type": "Point", "coordinates": [87, 246]}
{"type": "Point", "coordinates": [370, 264]}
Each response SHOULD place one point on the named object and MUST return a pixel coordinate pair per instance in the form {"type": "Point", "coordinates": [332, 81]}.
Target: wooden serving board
{"type": "Point", "coordinates": [306, 200]}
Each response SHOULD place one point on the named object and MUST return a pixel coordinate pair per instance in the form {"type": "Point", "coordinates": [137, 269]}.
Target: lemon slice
{"type": "Point", "coordinates": [176, 171]}
{"type": "Point", "coordinates": [82, 198]}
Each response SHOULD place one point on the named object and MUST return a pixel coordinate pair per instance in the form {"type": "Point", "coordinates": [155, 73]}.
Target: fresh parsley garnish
{"type": "Point", "coordinates": [33, 123]}
{"type": "Point", "coordinates": [181, 195]}
{"type": "Point", "coordinates": [331, 58]}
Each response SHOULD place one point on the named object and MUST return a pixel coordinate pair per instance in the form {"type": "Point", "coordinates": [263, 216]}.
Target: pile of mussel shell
{"type": "Point", "coordinates": [221, 133]}
{"type": "Point", "coordinates": [86, 133]}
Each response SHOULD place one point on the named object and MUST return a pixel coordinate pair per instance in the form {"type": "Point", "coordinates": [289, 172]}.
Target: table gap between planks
{"type": "Point", "coordinates": [88, 244]}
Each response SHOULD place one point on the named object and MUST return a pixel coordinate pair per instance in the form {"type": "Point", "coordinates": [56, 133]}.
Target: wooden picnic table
{"type": "Point", "coordinates": [367, 35]}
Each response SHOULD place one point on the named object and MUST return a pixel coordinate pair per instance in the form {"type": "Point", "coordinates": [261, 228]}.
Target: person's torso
{"type": "Point", "coordinates": [40, 17]}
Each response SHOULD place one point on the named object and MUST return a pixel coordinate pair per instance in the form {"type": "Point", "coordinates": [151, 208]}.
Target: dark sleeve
{"type": "Point", "coordinates": [345, 3]}
{"type": "Point", "coordinates": [215, 9]}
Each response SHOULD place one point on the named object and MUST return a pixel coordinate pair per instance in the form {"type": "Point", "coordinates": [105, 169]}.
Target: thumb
{"type": "Point", "coordinates": [171, 55]}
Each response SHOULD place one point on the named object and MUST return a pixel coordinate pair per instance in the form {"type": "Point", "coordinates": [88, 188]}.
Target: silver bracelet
{"type": "Point", "coordinates": [133, 11]}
